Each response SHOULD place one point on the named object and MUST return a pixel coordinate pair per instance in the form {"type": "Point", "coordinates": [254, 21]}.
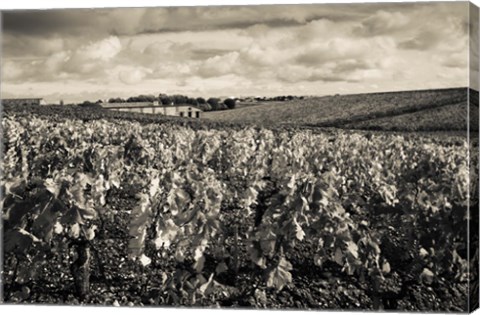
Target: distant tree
{"type": "Point", "coordinates": [277, 98]}
{"type": "Point", "coordinates": [205, 107]}
{"type": "Point", "coordinates": [221, 106]}
{"type": "Point", "coordinates": [141, 98]}
{"type": "Point", "coordinates": [192, 101]}
{"type": "Point", "coordinates": [116, 100]}
{"type": "Point", "coordinates": [89, 104]}
{"type": "Point", "coordinates": [165, 99]}
{"type": "Point", "coordinates": [201, 100]}
{"type": "Point", "coordinates": [230, 102]}
{"type": "Point", "coordinates": [214, 103]}
{"type": "Point", "coordinates": [146, 98]}
{"type": "Point", "coordinates": [179, 99]}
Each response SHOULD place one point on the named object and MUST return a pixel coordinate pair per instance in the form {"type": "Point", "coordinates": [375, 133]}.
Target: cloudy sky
{"type": "Point", "coordinates": [318, 49]}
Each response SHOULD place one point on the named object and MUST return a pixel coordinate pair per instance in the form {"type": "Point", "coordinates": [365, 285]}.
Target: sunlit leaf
{"type": "Point", "coordinates": [280, 276]}
{"type": "Point", "coordinates": [145, 260]}
{"type": "Point", "coordinates": [338, 256]}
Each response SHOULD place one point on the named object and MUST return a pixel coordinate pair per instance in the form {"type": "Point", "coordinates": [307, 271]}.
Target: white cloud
{"type": "Point", "coordinates": [132, 76]}
{"type": "Point", "coordinates": [259, 56]}
{"type": "Point", "coordinates": [103, 50]}
{"type": "Point", "coordinates": [11, 71]}
{"type": "Point", "coordinates": [218, 65]}
{"type": "Point", "coordinates": [247, 50]}
{"type": "Point", "coordinates": [346, 48]}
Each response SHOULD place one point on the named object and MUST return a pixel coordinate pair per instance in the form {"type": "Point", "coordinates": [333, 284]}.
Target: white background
{"type": "Point", "coordinates": [45, 4]}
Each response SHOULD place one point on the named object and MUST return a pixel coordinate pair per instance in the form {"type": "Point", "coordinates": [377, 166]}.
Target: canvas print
{"type": "Point", "coordinates": [303, 156]}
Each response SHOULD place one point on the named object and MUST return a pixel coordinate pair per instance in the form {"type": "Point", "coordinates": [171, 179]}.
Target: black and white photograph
{"type": "Point", "coordinates": [302, 156]}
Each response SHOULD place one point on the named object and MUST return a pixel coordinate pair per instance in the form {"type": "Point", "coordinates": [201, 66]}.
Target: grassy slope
{"type": "Point", "coordinates": [354, 111]}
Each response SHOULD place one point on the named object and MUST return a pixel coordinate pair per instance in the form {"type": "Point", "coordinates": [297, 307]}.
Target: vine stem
{"type": "Point", "coordinates": [81, 269]}
{"type": "Point", "coordinates": [14, 278]}
{"type": "Point", "coordinates": [96, 254]}
{"type": "Point", "coordinates": [235, 250]}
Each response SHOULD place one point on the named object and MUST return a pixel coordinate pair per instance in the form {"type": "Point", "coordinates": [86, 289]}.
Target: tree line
{"type": "Point", "coordinates": [209, 104]}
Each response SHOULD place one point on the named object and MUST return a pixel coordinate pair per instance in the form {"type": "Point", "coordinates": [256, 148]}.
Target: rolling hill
{"type": "Point", "coordinates": [443, 118]}
{"type": "Point", "coordinates": [423, 110]}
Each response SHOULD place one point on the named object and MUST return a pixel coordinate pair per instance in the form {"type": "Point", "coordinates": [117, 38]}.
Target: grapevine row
{"type": "Point", "coordinates": [292, 187]}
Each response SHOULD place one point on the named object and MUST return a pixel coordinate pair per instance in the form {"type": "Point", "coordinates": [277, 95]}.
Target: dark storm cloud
{"type": "Point", "coordinates": [226, 25]}
{"type": "Point", "coordinates": [68, 22]}
{"type": "Point", "coordinates": [131, 21]}
{"type": "Point", "coordinates": [47, 22]}
{"type": "Point", "coordinates": [22, 46]}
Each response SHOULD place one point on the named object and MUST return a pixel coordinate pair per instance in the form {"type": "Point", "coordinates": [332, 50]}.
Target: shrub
{"type": "Point", "coordinates": [230, 103]}
{"type": "Point", "coordinates": [214, 103]}
{"type": "Point", "coordinates": [205, 107]}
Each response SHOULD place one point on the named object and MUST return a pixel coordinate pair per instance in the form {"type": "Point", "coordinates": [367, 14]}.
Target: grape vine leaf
{"type": "Point", "coordinates": [167, 230]}
{"type": "Point", "coordinates": [18, 240]}
{"type": "Point", "coordinates": [280, 276]}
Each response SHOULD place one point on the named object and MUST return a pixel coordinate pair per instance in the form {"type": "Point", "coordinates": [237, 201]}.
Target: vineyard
{"type": "Point", "coordinates": [423, 110]}
{"type": "Point", "coordinates": [117, 212]}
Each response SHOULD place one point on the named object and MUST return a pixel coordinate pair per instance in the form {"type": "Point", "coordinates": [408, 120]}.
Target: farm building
{"type": "Point", "coordinates": [23, 101]}
{"type": "Point", "coordinates": [182, 110]}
